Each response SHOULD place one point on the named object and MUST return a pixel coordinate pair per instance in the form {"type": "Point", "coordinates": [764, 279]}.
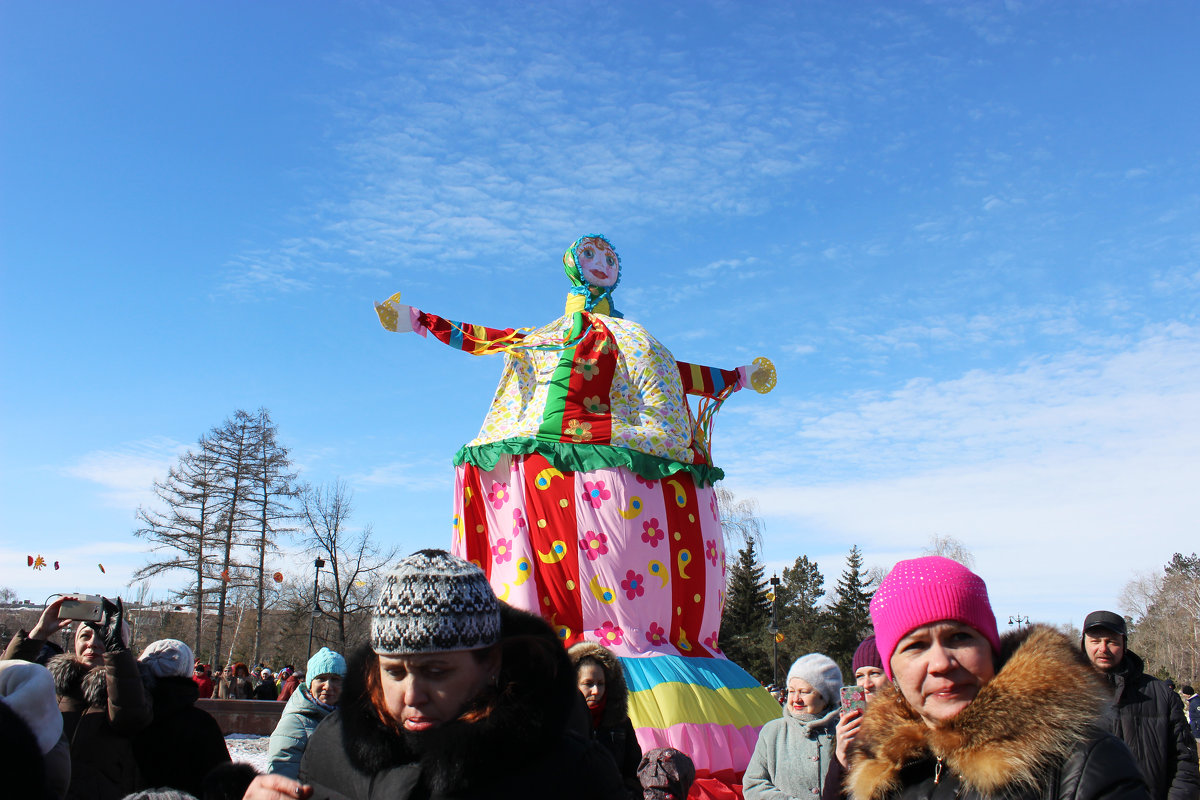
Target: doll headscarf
{"type": "Point", "coordinates": [594, 298]}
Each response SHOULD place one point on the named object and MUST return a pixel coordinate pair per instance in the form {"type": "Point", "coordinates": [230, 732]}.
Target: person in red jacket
{"type": "Point", "coordinates": [203, 682]}
{"type": "Point", "coordinates": [289, 684]}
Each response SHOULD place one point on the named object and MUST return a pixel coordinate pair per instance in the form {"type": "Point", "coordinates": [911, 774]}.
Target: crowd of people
{"type": "Point", "coordinates": [458, 695]}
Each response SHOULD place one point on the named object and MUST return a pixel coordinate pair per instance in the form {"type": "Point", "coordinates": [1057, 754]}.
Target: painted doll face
{"type": "Point", "coordinates": [597, 262]}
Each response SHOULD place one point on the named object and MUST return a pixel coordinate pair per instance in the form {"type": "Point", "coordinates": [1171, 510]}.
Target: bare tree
{"type": "Point", "coordinates": [951, 548]}
{"type": "Point", "coordinates": [233, 452]}
{"type": "Point", "coordinates": [355, 559]}
{"type": "Point", "coordinates": [1165, 608]}
{"type": "Point", "coordinates": [184, 527]}
{"type": "Point", "coordinates": [740, 523]}
{"type": "Point", "coordinates": [273, 488]}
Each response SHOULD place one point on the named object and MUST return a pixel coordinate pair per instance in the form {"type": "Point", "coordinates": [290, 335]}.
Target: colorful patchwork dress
{"type": "Point", "coordinates": [588, 497]}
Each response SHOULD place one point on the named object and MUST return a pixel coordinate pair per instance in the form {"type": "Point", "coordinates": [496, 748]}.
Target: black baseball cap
{"type": "Point", "coordinates": [1105, 619]}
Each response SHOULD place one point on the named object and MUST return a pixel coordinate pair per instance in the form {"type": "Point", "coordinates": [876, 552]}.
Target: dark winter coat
{"type": "Point", "coordinates": [1193, 710]}
{"type": "Point", "coordinates": [266, 690]}
{"type": "Point", "coordinates": [615, 730]}
{"type": "Point", "coordinates": [1030, 734]}
{"type": "Point", "coordinates": [182, 743]}
{"type": "Point", "coordinates": [1148, 716]}
{"type": "Point", "coordinates": [103, 708]}
{"type": "Point", "coordinates": [522, 748]}
{"type": "Point", "coordinates": [24, 648]}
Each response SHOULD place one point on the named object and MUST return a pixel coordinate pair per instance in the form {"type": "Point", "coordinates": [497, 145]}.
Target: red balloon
{"type": "Point", "coordinates": [278, 577]}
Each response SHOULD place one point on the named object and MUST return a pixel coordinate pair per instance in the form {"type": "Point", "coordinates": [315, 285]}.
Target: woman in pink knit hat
{"type": "Point", "coordinates": [971, 716]}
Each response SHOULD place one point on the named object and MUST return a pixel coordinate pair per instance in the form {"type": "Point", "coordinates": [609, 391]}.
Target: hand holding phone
{"type": "Point", "coordinates": [82, 607]}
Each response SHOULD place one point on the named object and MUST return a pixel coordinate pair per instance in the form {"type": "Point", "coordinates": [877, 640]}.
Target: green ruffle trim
{"type": "Point", "coordinates": [585, 457]}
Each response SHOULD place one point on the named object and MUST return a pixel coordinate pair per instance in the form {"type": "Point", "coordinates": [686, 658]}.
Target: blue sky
{"type": "Point", "coordinates": [967, 234]}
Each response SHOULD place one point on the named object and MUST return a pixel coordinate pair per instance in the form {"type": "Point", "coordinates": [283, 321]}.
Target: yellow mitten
{"type": "Point", "coordinates": [394, 315]}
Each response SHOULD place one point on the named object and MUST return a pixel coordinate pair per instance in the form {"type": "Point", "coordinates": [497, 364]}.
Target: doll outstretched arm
{"type": "Point", "coordinates": [477, 340]}
{"type": "Point", "coordinates": [715, 382]}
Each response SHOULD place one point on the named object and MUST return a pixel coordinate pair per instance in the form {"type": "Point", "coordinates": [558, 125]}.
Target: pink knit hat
{"type": "Point", "coordinates": [921, 591]}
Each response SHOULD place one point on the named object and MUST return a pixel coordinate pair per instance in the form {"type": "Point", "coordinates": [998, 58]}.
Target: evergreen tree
{"type": "Point", "coordinates": [850, 614]}
{"type": "Point", "coordinates": [744, 636]}
{"type": "Point", "coordinates": [801, 620]}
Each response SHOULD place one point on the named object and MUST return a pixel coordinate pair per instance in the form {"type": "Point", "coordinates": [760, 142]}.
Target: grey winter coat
{"type": "Point", "coordinates": [301, 716]}
{"type": "Point", "coordinates": [791, 757]}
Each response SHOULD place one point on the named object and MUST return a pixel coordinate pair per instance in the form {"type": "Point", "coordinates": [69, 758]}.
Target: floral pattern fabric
{"type": "Point", "coordinates": [637, 565]}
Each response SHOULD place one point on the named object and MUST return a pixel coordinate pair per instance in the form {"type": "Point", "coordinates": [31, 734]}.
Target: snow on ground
{"type": "Point", "coordinates": [248, 749]}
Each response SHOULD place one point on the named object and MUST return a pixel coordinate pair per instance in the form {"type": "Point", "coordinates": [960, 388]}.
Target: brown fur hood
{"type": "Point", "coordinates": [1044, 700]}
{"type": "Point", "coordinates": [78, 683]}
{"type": "Point", "coordinates": [616, 693]}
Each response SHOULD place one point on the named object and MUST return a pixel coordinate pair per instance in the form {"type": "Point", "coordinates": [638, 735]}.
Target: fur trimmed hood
{"type": "Point", "coordinates": [616, 693]}
{"type": "Point", "coordinates": [1044, 700]}
{"type": "Point", "coordinates": [527, 713]}
{"type": "Point", "coordinates": [78, 682]}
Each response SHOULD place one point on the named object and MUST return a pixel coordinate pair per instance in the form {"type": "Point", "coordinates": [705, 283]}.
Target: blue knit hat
{"type": "Point", "coordinates": [324, 662]}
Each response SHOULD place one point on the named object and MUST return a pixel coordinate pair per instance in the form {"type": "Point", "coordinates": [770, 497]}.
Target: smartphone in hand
{"type": "Point", "coordinates": [83, 607]}
{"type": "Point", "coordinates": [853, 697]}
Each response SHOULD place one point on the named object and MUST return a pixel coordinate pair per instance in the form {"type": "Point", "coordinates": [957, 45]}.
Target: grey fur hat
{"type": "Point", "coordinates": [434, 602]}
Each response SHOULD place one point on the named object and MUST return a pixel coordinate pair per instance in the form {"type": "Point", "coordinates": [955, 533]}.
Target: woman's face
{"type": "Point", "coordinates": [243, 672]}
{"type": "Point", "coordinates": [941, 667]}
{"type": "Point", "coordinates": [89, 646]}
{"type": "Point", "coordinates": [871, 679]}
{"type": "Point", "coordinates": [423, 691]}
{"type": "Point", "coordinates": [803, 698]}
{"type": "Point", "coordinates": [227, 672]}
{"type": "Point", "coordinates": [326, 688]}
{"type": "Point", "coordinates": [591, 683]}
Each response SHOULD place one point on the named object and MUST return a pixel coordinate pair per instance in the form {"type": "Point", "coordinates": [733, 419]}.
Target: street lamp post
{"type": "Point", "coordinates": [1018, 620]}
{"type": "Point", "coordinates": [320, 562]}
{"type": "Point", "coordinates": [774, 629]}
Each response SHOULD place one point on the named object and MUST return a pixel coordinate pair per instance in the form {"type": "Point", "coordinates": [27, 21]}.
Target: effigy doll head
{"type": "Point", "coordinates": [594, 268]}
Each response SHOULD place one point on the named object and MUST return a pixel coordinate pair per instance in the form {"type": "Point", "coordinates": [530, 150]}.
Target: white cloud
{"type": "Point", "coordinates": [127, 474]}
{"type": "Point", "coordinates": [1064, 477]}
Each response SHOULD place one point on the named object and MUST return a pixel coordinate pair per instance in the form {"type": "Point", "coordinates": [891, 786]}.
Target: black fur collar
{"type": "Point", "coordinates": [78, 682]}
{"type": "Point", "coordinates": [528, 714]}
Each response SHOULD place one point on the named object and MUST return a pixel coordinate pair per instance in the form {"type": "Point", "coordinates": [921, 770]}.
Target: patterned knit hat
{"type": "Point", "coordinates": [435, 603]}
{"type": "Point", "coordinates": [921, 591]}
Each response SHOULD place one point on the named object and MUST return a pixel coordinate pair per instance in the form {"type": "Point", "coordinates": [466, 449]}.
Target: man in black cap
{"type": "Point", "coordinates": [1147, 715]}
